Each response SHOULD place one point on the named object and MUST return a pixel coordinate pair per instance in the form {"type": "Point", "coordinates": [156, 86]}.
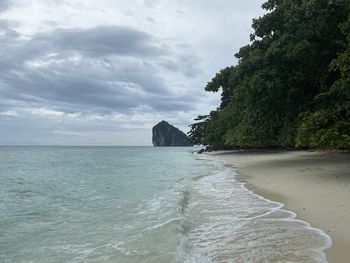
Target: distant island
{"type": "Point", "coordinates": [164, 134]}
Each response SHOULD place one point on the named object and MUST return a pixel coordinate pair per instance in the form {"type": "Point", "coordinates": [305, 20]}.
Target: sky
{"type": "Point", "coordinates": [104, 72]}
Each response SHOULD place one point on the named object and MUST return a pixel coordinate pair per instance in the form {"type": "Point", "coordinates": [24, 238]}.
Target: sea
{"type": "Point", "coordinates": [140, 204]}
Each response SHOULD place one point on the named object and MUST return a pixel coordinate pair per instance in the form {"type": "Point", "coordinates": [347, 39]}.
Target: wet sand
{"type": "Point", "coordinates": [314, 185]}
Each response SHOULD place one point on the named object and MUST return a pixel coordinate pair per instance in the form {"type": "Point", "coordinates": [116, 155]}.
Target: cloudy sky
{"type": "Point", "coordinates": [103, 72]}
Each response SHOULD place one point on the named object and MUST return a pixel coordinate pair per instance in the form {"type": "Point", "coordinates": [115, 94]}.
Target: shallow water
{"type": "Point", "coordinates": [140, 204]}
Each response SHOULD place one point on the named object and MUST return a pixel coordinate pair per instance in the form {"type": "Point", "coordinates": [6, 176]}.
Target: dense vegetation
{"type": "Point", "coordinates": [291, 85]}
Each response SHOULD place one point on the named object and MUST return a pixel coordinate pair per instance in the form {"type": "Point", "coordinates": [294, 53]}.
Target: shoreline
{"type": "Point", "coordinates": [314, 185]}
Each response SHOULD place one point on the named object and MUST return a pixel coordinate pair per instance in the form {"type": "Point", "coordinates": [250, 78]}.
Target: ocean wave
{"type": "Point", "coordinates": [229, 223]}
{"type": "Point", "coordinates": [183, 202]}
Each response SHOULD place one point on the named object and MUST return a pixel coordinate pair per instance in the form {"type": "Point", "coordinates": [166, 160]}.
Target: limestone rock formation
{"type": "Point", "coordinates": [164, 134]}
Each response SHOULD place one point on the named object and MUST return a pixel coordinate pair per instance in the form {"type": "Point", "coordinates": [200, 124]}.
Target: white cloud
{"type": "Point", "coordinates": [9, 113]}
{"type": "Point", "coordinates": [44, 112]}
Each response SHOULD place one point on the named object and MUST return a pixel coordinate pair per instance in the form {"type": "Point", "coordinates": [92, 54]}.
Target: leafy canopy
{"type": "Point", "coordinates": [291, 84]}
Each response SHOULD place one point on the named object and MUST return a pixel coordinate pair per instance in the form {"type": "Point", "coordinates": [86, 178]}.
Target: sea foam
{"type": "Point", "coordinates": [229, 223]}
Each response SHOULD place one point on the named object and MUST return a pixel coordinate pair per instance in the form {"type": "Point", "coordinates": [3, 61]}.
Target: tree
{"type": "Point", "coordinates": [284, 79]}
{"type": "Point", "coordinates": [328, 124]}
{"type": "Point", "coordinates": [197, 133]}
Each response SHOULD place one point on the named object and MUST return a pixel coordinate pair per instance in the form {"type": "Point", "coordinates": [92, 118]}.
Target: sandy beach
{"type": "Point", "coordinates": [314, 185]}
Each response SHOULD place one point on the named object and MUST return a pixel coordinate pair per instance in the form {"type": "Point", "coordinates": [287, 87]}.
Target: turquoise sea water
{"type": "Point", "coordinates": [140, 204]}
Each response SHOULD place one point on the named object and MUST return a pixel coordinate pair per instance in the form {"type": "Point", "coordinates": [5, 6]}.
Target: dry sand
{"type": "Point", "coordinates": [315, 185]}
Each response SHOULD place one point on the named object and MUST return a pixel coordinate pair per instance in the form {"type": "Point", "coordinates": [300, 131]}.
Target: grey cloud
{"type": "Point", "coordinates": [100, 41]}
{"type": "Point", "coordinates": [7, 30]}
{"type": "Point", "coordinates": [104, 40]}
{"type": "Point", "coordinates": [5, 4]}
{"type": "Point", "coordinates": [121, 93]}
{"type": "Point", "coordinates": [185, 64]}
{"type": "Point", "coordinates": [170, 105]}
{"type": "Point", "coordinates": [43, 70]}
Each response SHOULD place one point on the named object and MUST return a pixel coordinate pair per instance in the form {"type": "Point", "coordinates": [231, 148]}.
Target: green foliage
{"type": "Point", "coordinates": [198, 130]}
{"type": "Point", "coordinates": [328, 124]}
{"type": "Point", "coordinates": [290, 86]}
{"type": "Point", "coordinates": [222, 81]}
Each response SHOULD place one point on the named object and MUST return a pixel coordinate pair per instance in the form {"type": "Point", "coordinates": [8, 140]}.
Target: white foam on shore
{"type": "Point", "coordinates": [226, 222]}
